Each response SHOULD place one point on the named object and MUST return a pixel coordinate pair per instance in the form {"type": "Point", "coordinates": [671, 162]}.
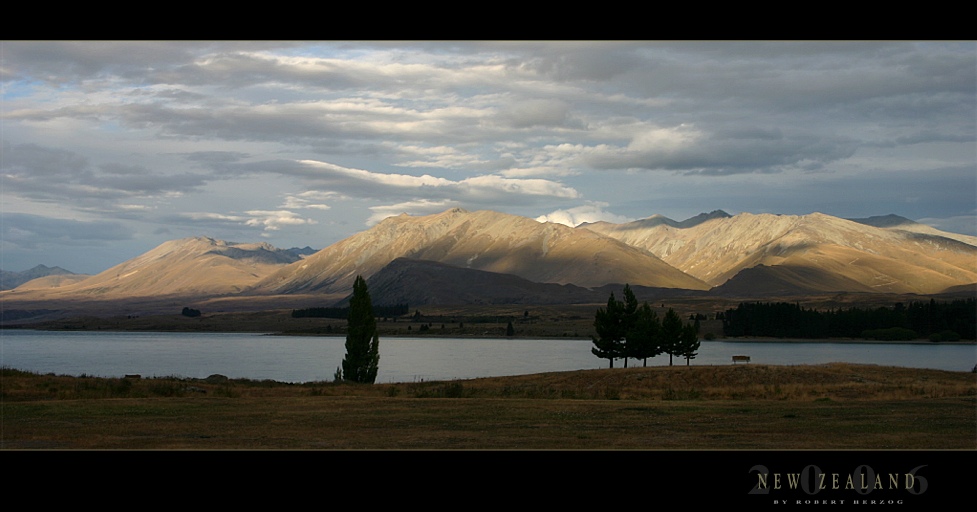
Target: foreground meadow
{"type": "Point", "coordinates": [834, 406]}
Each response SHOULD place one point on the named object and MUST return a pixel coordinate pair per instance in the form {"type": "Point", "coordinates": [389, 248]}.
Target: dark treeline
{"type": "Point", "coordinates": [343, 313]}
{"type": "Point", "coordinates": [937, 321]}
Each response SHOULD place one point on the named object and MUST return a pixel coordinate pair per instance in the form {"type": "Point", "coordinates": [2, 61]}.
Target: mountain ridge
{"type": "Point", "coordinates": [893, 259]}
{"type": "Point", "coordinates": [188, 266]}
{"type": "Point", "coordinates": [481, 240]}
{"type": "Point", "coordinates": [711, 253]}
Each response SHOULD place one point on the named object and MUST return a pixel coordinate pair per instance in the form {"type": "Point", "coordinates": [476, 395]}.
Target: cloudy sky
{"type": "Point", "coordinates": [111, 148]}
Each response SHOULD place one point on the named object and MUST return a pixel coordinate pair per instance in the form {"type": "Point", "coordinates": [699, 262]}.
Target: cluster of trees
{"type": "Point", "coordinates": [190, 312]}
{"type": "Point", "coordinates": [626, 330]}
{"type": "Point", "coordinates": [380, 311]}
{"type": "Point", "coordinates": [362, 340]}
{"type": "Point", "coordinates": [938, 321]}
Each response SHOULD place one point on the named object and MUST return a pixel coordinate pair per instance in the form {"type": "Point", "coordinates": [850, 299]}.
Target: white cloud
{"type": "Point", "coordinates": [591, 212]}
{"type": "Point", "coordinates": [305, 200]}
{"type": "Point", "coordinates": [268, 220]}
{"type": "Point", "coordinates": [210, 216]}
{"type": "Point", "coordinates": [524, 172]}
{"type": "Point", "coordinates": [392, 180]}
{"type": "Point", "coordinates": [274, 220]}
{"type": "Point", "coordinates": [476, 187]}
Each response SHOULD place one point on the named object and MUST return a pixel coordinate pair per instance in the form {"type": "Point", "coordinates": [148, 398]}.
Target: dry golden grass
{"type": "Point", "coordinates": [835, 406]}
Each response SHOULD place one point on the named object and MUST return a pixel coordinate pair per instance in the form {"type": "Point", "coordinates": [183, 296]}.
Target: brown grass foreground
{"type": "Point", "coordinates": [834, 406]}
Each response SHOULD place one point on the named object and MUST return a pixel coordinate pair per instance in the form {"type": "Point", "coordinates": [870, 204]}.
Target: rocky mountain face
{"type": "Point", "coordinates": [198, 266]}
{"type": "Point", "coordinates": [492, 258]}
{"type": "Point", "coordinates": [482, 240]}
{"type": "Point", "coordinates": [814, 252]}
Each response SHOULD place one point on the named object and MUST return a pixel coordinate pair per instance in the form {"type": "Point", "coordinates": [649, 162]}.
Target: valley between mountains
{"type": "Point", "coordinates": [458, 257]}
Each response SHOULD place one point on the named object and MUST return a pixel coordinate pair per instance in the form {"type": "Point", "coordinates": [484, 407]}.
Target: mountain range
{"type": "Point", "coordinates": [814, 252]}
{"type": "Point", "coordinates": [54, 275]}
{"type": "Point", "coordinates": [487, 257]}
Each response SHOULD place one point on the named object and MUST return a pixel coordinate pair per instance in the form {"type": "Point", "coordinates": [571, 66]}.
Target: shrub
{"type": "Point", "coordinates": [226, 391]}
{"type": "Point", "coordinates": [166, 388]}
{"type": "Point", "coordinates": [443, 390]}
{"type": "Point", "coordinates": [890, 334]}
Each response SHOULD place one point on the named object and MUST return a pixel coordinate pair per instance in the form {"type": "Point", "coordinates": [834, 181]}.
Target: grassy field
{"type": "Point", "coordinates": [835, 406]}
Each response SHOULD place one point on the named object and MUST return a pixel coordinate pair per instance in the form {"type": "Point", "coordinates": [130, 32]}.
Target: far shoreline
{"type": "Point", "coordinates": [745, 339]}
{"type": "Point", "coordinates": [842, 340]}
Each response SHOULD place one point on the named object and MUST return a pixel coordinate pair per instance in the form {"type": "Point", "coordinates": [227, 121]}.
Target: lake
{"type": "Point", "coordinates": [407, 359]}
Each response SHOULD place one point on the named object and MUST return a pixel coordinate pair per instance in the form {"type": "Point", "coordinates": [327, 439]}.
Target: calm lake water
{"type": "Point", "coordinates": [308, 358]}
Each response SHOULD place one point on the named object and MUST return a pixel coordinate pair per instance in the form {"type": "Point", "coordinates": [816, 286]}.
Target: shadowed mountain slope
{"type": "Point", "coordinates": [421, 283]}
{"type": "Point", "coordinates": [780, 280]}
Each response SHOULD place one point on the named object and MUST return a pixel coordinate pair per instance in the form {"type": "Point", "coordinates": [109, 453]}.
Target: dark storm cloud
{"type": "Point", "coordinates": [571, 61]}
{"type": "Point", "coordinates": [727, 152]}
{"type": "Point", "coordinates": [184, 136]}
{"type": "Point", "coordinates": [939, 193]}
{"type": "Point", "coordinates": [40, 161]}
{"type": "Point", "coordinates": [51, 174]}
{"type": "Point", "coordinates": [61, 62]}
{"type": "Point", "coordinates": [540, 112]}
{"type": "Point", "coordinates": [31, 231]}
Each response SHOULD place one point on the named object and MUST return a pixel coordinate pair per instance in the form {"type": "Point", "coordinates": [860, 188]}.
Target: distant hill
{"type": "Point", "coordinates": [661, 220]}
{"type": "Point", "coordinates": [885, 221]}
{"type": "Point", "coordinates": [301, 252]}
{"type": "Point", "coordinates": [190, 267]}
{"type": "Point", "coordinates": [10, 280]}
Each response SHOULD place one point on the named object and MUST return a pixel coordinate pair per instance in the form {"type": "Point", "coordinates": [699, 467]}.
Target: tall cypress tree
{"type": "Point", "coordinates": [362, 341]}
